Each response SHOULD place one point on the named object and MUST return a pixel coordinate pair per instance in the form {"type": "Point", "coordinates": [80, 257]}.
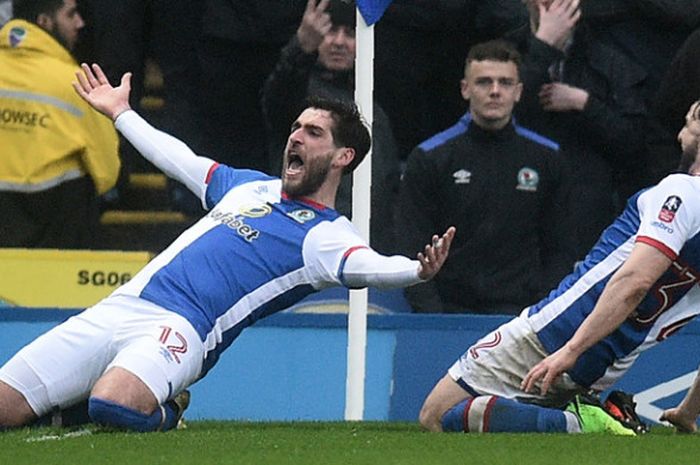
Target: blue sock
{"type": "Point", "coordinates": [171, 417]}
{"type": "Point", "coordinates": [497, 415]}
{"type": "Point", "coordinates": [453, 419]}
{"type": "Point", "coordinates": [109, 413]}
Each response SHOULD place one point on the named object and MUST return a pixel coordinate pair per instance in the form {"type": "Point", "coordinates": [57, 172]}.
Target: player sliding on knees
{"type": "Point", "coordinates": [526, 376]}
{"type": "Point", "coordinates": [264, 245]}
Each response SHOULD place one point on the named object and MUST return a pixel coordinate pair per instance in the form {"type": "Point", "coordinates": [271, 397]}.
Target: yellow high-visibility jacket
{"type": "Point", "coordinates": [48, 134]}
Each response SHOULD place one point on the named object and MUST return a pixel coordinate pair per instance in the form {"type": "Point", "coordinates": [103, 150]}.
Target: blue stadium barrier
{"type": "Point", "coordinates": [336, 298]}
{"type": "Point", "coordinates": [292, 366]}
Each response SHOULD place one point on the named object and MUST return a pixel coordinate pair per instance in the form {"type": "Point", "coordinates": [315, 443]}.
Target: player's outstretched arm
{"type": "Point", "coordinates": [92, 85]}
{"type": "Point", "coordinates": [169, 154]}
{"type": "Point", "coordinates": [365, 267]}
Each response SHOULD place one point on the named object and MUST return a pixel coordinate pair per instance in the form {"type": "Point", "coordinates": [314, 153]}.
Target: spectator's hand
{"type": "Point", "coordinates": [548, 370]}
{"type": "Point", "coordinates": [557, 22]}
{"type": "Point", "coordinates": [558, 96]}
{"type": "Point", "coordinates": [95, 89]}
{"type": "Point", "coordinates": [684, 423]}
{"type": "Point", "coordinates": [435, 254]}
{"type": "Point", "coordinates": [315, 24]}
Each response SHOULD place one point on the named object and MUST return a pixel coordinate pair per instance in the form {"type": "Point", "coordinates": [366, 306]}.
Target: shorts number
{"type": "Point", "coordinates": [485, 345]}
{"type": "Point", "coordinates": [181, 343]}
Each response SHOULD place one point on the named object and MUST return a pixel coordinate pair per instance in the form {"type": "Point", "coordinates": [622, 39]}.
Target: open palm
{"type": "Point", "coordinates": [95, 89]}
{"type": "Point", "coordinates": [434, 255]}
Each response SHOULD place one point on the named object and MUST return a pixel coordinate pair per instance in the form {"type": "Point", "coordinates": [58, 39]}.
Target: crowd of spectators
{"type": "Point", "coordinates": [586, 96]}
{"type": "Point", "coordinates": [605, 81]}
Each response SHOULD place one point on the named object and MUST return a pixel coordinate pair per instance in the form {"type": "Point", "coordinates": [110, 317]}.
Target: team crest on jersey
{"type": "Point", "coordinates": [17, 35]}
{"type": "Point", "coordinates": [528, 179]}
{"type": "Point", "coordinates": [302, 216]}
{"type": "Point", "coordinates": [669, 208]}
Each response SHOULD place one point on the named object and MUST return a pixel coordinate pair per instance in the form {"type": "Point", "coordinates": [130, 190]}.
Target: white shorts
{"type": "Point", "coordinates": [498, 362]}
{"type": "Point", "coordinates": [60, 367]}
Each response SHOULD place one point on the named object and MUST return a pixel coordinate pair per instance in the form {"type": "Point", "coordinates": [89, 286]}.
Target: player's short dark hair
{"type": "Point", "coordinates": [29, 10]}
{"type": "Point", "coordinates": [349, 128]}
{"type": "Point", "coordinates": [494, 50]}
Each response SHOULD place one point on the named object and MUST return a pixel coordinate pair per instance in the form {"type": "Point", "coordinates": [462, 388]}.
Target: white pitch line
{"type": "Point", "coordinates": [59, 437]}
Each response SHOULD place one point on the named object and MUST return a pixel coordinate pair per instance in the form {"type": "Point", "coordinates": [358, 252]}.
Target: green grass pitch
{"type": "Point", "coordinates": [307, 443]}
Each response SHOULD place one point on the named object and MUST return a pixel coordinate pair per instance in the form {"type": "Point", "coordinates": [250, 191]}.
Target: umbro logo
{"type": "Point", "coordinates": [462, 176]}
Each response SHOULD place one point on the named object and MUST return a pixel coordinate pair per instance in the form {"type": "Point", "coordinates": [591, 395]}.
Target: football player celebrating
{"type": "Point", "coordinates": [264, 245]}
{"type": "Point", "coordinates": [636, 287]}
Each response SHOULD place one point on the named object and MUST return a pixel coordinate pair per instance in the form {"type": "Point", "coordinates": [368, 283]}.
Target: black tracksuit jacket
{"type": "Point", "coordinates": [506, 192]}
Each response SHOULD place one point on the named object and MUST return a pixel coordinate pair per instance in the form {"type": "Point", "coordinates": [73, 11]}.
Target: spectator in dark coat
{"type": "Point", "coordinates": [589, 98]}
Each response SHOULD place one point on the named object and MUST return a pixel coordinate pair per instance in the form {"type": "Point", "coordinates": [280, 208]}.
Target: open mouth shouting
{"type": "Point", "coordinates": [303, 177]}
{"type": "Point", "coordinates": [294, 164]}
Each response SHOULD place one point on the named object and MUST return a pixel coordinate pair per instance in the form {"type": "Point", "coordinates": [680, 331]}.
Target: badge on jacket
{"type": "Point", "coordinates": [528, 179]}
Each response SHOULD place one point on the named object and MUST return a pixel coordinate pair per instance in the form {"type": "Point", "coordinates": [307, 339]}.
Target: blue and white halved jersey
{"type": "Point", "coordinates": [254, 253]}
{"type": "Point", "coordinates": [666, 217]}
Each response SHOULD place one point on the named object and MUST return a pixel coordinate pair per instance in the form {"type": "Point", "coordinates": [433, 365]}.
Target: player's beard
{"type": "Point", "coordinates": [688, 157]}
{"type": "Point", "coordinates": [315, 175]}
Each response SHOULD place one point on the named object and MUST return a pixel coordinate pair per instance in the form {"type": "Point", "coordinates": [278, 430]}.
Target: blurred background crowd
{"type": "Point", "coordinates": [605, 88]}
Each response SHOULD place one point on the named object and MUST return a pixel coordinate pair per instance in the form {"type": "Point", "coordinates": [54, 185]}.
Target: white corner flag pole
{"type": "Point", "coordinates": [357, 318]}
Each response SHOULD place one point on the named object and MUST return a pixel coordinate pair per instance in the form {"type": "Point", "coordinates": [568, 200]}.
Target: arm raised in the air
{"type": "Point", "coordinates": [166, 152]}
